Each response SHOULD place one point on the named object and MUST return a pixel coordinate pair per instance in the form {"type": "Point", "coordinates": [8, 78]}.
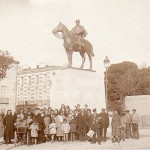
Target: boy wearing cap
{"type": "Point", "coordinates": [135, 121]}
{"type": "Point", "coordinates": [128, 124]}
{"type": "Point", "coordinates": [96, 126]}
{"type": "Point", "coordinates": [105, 123]}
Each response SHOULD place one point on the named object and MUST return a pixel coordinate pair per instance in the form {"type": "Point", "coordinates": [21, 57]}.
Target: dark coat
{"type": "Point", "coordinates": [95, 122]}
{"type": "Point", "coordinates": [82, 123]}
{"type": "Point", "coordinates": [39, 119]}
{"type": "Point", "coordinates": [9, 127]}
{"type": "Point", "coordinates": [105, 119]}
{"type": "Point", "coordinates": [98, 121]}
{"type": "Point", "coordinates": [73, 125]}
{"type": "Point", "coordinates": [90, 120]}
{"type": "Point", "coordinates": [29, 114]}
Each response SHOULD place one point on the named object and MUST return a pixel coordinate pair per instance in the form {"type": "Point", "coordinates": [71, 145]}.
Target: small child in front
{"type": "Point", "coordinates": [65, 128]}
{"type": "Point", "coordinates": [52, 127]}
{"type": "Point", "coordinates": [34, 132]}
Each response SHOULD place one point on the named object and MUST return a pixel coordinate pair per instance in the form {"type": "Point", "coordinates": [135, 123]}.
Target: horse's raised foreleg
{"type": "Point", "coordinates": [90, 59]}
{"type": "Point", "coordinates": [83, 59]}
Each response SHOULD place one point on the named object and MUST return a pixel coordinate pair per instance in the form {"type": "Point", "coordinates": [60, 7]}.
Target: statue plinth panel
{"type": "Point", "coordinates": [75, 86]}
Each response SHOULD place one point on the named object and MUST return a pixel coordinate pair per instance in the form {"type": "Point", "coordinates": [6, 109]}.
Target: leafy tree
{"type": "Point", "coordinates": [125, 79]}
{"type": "Point", "coordinates": [115, 75]}
{"type": "Point", "coordinates": [6, 62]}
{"type": "Point", "coordinates": [144, 82]}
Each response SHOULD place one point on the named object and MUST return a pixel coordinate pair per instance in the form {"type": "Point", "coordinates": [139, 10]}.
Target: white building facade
{"type": "Point", "coordinates": [34, 85]}
{"type": "Point", "coordinates": [8, 90]}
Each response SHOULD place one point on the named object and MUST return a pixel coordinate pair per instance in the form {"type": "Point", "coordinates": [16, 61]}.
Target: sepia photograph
{"type": "Point", "coordinates": [75, 74]}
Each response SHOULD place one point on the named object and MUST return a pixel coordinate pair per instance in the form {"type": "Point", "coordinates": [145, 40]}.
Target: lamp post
{"type": "Point", "coordinates": [106, 65]}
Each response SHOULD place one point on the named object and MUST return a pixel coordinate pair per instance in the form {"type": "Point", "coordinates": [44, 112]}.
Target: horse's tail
{"type": "Point", "coordinates": [92, 53]}
{"type": "Point", "coordinates": [89, 48]}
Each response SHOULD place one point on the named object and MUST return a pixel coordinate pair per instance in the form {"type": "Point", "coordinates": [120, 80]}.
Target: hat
{"type": "Point", "coordinates": [94, 110]}
{"type": "Point", "coordinates": [123, 114]}
{"type": "Point", "coordinates": [77, 20]}
{"type": "Point", "coordinates": [126, 111]}
{"type": "Point", "coordinates": [103, 109]}
{"type": "Point", "coordinates": [86, 105]}
{"type": "Point", "coordinates": [133, 109]}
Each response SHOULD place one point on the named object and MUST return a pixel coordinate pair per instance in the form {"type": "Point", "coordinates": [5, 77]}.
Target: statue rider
{"type": "Point", "coordinates": [79, 33]}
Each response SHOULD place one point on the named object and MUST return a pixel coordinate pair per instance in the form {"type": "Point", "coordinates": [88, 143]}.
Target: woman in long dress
{"type": "Point", "coordinates": [59, 121]}
{"type": "Point", "coordinates": [1, 126]}
{"type": "Point", "coordinates": [8, 126]}
{"type": "Point", "coordinates": [46, 122]}
{"type": "Point", "coordinates": [116, 124]}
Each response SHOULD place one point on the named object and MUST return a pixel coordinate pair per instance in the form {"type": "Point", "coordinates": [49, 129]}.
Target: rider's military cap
{"type": "Point", "coordinates": [77, 20]}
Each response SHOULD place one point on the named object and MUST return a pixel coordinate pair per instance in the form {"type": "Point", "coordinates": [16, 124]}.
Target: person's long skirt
{"type": "Point", "coordinates": [46, 121]}
{"type": "Point", "coordinates": [59, 131]}
{"type": "Point", "coordinates": [116, 131]}
{"type": "Point", "coordinates": [9, 133]}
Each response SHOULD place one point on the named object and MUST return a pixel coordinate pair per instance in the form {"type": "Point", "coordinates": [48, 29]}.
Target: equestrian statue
{"type": "Point", "coordinates": [74, 41]}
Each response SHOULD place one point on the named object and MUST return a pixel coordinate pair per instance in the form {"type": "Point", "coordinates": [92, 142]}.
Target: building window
{"type": "Point", "coordinates": [45, 78]}
{"type": "Point", "coordinates": [21, 81]}
{"type": "Point", "coordinates": [29, 80]}
{"type": "Point", "coordinates": [44, 95]}
{"type": "Point", "coordinates": [37, 79]}
{"type": "Point", "coordinates": [21, 96]}
{"type": "Point", "coordinates": [4, 92]}
{"type": "Point", "coordinates": [36, 95]}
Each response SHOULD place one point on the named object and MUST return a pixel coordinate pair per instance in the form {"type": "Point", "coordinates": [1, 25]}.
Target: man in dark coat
{"type": "Point", "coordinates": [29, 113]}
{"type": "Point", "coordinates": [8, 123]}
{"type": "Point", "coordinates": [90, 119]}
{"type": "Point", "coordinates": [96, 126]}
{"type": "Point", "coordinates": [82, 123]}
{"type": "Point", "coordinates": [39, 119]}
{"type": "Point", "coordinates": [105, 123]}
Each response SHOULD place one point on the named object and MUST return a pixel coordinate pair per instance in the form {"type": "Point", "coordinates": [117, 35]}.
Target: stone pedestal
{"type": "Point", "coordinates": [75, 86]}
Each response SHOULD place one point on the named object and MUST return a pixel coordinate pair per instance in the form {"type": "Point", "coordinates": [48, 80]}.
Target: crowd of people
{"type": "Point", "coordinates": [67, 124]}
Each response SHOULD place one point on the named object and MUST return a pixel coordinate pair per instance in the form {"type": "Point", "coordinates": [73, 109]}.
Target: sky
{"type": "Point", "coordinates": [119, 29]}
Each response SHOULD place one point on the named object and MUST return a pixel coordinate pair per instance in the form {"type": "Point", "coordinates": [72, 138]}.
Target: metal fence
{"type": "Point", "coordinates": [144, 121]}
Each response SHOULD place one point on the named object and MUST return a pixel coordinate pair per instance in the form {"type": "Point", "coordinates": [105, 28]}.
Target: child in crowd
{"type": "Point", "coordinates": [65, 128]}
{"type": "Point", "coordinates": [52, 127]}
{"type": "Point", "coordinates": [34, 132]}
{"type": "Point", "coordinates": [29, 119]}
{"type": "Point", "coordinates": [123, 127]}
{"type": "Point", "coordinates": [73, 128]}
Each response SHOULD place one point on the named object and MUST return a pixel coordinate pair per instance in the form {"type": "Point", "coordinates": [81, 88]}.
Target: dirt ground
{"type": "Point", "coordinates": [130, 144]}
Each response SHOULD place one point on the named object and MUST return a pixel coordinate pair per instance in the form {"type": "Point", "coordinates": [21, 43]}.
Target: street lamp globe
{"type": "Point", "coordinates": [106, 62]}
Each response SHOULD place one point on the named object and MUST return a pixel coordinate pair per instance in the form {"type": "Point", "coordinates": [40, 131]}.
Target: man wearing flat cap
{"type": "Point", "coordinates": [135, 122]}
{"type": "Point", "coordinates": [128, 118]}
{"type": "Point", "coordinates": [80, 33]}
{"type": "Point", "coordinates": [96, 126]}
{"type": "Point", "coordinates": [105, 123]}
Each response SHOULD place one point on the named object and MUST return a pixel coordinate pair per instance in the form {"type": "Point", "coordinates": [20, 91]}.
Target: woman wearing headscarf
{"type": "Point", "coordinates": [8, 127]}
{"type": "Point", "coordinates": [47, 122]}
{"type": "Point", "coordinates": [59, 121]}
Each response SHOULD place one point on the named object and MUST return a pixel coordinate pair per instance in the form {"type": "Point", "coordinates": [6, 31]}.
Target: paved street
{"type": "Point", "coordinates": [142, 144]}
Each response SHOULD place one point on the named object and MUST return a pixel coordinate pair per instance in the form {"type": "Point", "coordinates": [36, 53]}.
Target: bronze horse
{"type": "Point", "coordinates": [70, 45]}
